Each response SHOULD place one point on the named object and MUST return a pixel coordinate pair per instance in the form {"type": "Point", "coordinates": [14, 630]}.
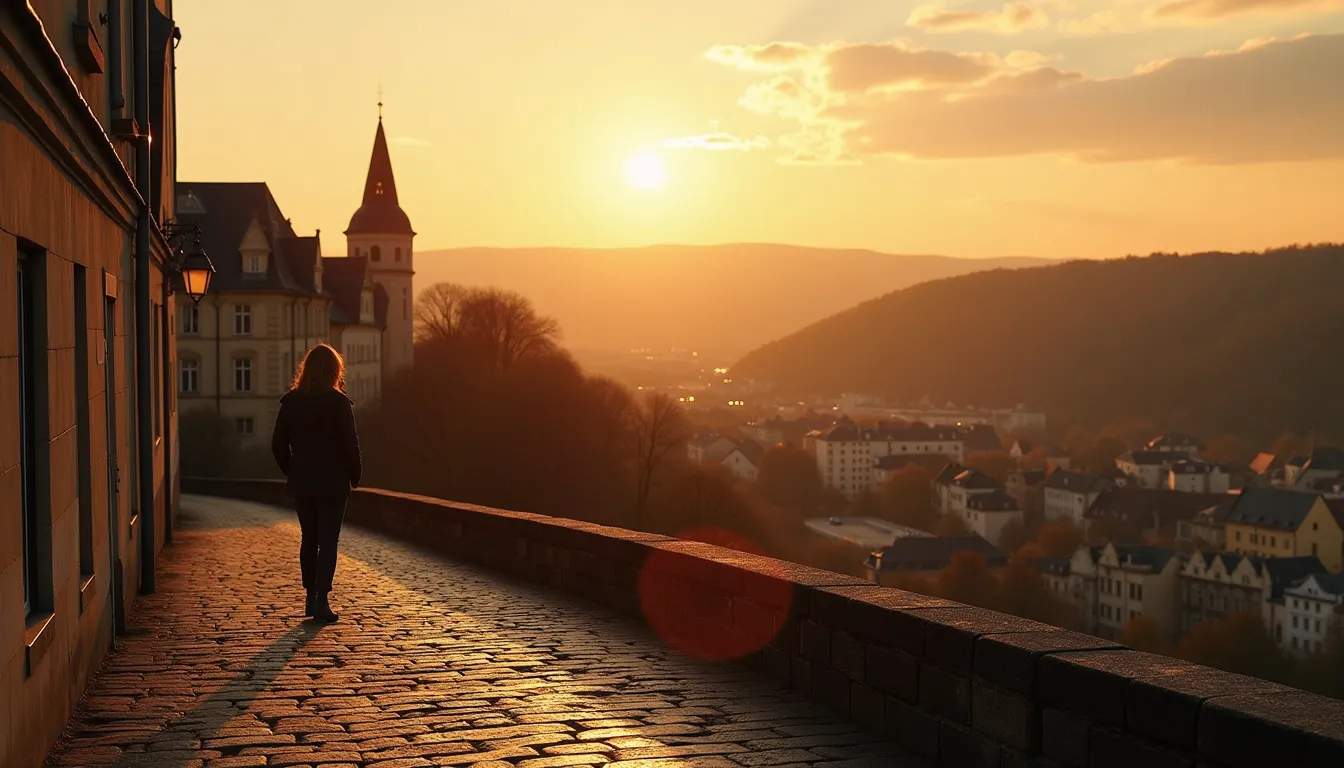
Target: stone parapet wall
{"type": "Point", "coordinates": [962, 686]}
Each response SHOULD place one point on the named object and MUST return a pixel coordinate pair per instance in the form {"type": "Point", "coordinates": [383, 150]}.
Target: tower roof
{"type": "Point", "coordinates": [380, 213]}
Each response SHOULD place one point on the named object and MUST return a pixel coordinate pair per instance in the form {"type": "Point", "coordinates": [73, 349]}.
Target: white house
{"type": "Point", "coordinates": [744, 460]}
{"type": "Point", "coordinates": [1147, 468]}
{"type": "Point", "coordinates": [1068, 495]}
{"type": "Point", "coordinates": [1195, 476]}
{"type": "Point", "coordinates": [942, 486]}
{"type": "Point", "coordinates": [709, 447]}
{"type": "Point", "coordinates": [1313, 609]}
{"type": "Point", "coordinates": [987, 514]}
{"type": "Point", "coordinates": [966, 485]}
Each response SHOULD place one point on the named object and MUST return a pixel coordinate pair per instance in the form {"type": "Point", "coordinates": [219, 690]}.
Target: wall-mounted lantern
{"type": "Point", "coordinates": [190, 261]}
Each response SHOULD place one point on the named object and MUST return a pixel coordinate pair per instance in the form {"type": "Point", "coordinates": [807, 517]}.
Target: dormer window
{"type": "Point", "coordinates": [254, 263]}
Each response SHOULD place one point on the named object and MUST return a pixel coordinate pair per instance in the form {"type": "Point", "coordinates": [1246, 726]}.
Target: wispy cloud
{"type": "Point", "coordinates": [1269, 101]}
{"type": "Point", "coordinates": [718, 142]}
{"type": "Point", "coordinates": [411, 141]}
{"type": "Point", "coordinates": [1208, 11]}
{"type": "Point", "coordinates": [1012, 18]}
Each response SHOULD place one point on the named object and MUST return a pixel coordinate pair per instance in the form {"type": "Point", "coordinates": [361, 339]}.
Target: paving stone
{"type": "Point", "coordinates": [433, 663]}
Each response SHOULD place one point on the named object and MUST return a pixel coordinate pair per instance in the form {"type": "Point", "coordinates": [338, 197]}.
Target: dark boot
{"type": "Point", "coordinates": [322, 609]}
{"type": "Point", "coordinates": [310, 603]}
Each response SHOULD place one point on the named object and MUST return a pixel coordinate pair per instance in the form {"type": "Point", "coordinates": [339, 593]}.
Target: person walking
{"type": "Point", "coordinates": [317, 447]}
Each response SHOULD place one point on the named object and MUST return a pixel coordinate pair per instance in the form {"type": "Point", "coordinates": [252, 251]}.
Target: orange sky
{"type": "Point", "coordinates": [1061, 128]}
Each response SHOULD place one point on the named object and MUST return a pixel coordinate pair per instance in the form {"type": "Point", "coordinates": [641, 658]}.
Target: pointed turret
{"type": "Point", "coordinates": [380, 212]}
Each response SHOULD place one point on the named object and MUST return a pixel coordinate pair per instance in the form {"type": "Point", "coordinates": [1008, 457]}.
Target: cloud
{"type": "Point", "coordinates": [868, 66]}
{"type": "Point", "coordinates": [411, 141]}
{"type": "Point", "coordinates": [718, 142]}
{"type": "Point", "coordinates": [1204, 11]}
{"type": "Point", "coordinates": [1012, 18]}
{"type": "Point", "coordinates": [1265, 102]}
{"type": "Point", "coordinates": [760, 58]}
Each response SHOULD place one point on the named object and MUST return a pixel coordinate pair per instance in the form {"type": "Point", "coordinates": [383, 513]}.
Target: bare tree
{"type": "Point", "coordinates": [437, 312]}
{"type": "Point", "coordinates": [659, 430]}
{"type": "Point", "coordinates": [501, 327]}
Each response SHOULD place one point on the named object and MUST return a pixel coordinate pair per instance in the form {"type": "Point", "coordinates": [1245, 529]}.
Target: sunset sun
{"type": "Point", "coordinates": [646, 171]}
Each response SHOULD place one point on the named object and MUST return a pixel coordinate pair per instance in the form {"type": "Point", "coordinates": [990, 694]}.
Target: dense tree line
{"type": "Point", "coordinates": [1197, 343]}
{"type": "Point", "coordinates": [497, 413]}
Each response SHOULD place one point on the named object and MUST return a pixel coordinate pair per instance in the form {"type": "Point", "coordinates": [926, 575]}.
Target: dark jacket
{"type": "Point", "coordinates": [316, 445]}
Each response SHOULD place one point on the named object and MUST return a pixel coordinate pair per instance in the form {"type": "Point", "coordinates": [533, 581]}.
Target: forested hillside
{"type": "Point", "coordinates": [1247, 343]}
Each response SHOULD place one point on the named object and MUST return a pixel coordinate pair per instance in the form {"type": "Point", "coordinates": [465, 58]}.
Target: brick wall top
{"type": "Point", "coordinates": [961, 685]}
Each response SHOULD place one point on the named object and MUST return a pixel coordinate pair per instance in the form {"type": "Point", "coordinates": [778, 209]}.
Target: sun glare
{"type": "Point", "coordinates": [646, 171]}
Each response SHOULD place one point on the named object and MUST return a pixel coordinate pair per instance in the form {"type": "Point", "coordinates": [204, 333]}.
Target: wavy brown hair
{"type": "Point", "coordinates": [321, 369]}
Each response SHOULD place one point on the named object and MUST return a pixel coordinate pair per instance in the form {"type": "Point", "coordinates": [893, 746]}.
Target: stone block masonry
{"type": "Point", "coordinates": [958, 685]}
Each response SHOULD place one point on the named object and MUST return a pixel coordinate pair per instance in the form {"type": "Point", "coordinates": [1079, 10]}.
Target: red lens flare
{"type": "Point", "coordinates": [710, 609]}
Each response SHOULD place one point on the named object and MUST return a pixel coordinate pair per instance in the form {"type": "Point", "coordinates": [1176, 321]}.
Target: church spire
{"type": "Point", "coordinates": [380, 186]}
{"type": "Point", "coordinates": [380, 211]}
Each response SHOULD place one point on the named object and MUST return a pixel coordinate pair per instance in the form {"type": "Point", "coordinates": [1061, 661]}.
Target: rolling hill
{"type": "Point", "coordinates": [722, 298]}
{"type": "Point", "coordinates": [1216, 343]}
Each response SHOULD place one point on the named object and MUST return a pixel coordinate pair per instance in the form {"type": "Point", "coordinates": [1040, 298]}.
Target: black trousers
{"type": "Point", "coordinates": [320, 520]}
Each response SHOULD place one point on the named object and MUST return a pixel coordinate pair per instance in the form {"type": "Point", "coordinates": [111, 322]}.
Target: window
{"type": "Point", "coordinates": [32, 364]}
{"type": "Point", "coordinates": [242, 320]}
{"type": "Point", "coordinates": [1273, 541]}
{"type": "Point", "coordinates": [397, 255]}
{"type": "Point", "coordinates": [244, 425]}
{"type": "Point", "coordinates": [1294, 622]}
{"type": "Point", "coordinates": [155, 391]}
{"type": "Point", "coordinates": [254, 263]}
{"type": "Point", "coordinates": [1294, 641]}
{"type": "Point", "coordinates": [83, 436]}
{"type": "Point", "coordinates": [191, 320]}
{"type": "Point", "coordinates": [376, 253]}
{"type": "Point", "coordinates": [189, 376]}
{"type": "Point", "coordinates": [242, 375]}
{"type": "Point", "coordinates": [1238, 536]}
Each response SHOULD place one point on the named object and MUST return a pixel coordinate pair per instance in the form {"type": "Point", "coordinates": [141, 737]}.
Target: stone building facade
{"type": "Point", "coordinates": [275, 296]}
{"type": "Point", "coordinates": [88, 424]}
{"type": "Point", "coordinates": [267, 307]}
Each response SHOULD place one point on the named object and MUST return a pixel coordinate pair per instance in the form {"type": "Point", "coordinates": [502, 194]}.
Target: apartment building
{"type": "Point", "coordinates": [1275, 522]}
{"type": "Point", "coordinates": [1135, 581]}
{"type": "Point", "coordinates": [846, 453]}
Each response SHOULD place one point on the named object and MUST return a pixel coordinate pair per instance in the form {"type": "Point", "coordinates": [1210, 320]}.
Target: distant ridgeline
{"type": "Point", "coordinates": [1217, 343]}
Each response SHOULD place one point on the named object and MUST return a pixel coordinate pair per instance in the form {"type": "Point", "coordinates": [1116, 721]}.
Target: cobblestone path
{"type": "Point", "coordinates": [433, 663]}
